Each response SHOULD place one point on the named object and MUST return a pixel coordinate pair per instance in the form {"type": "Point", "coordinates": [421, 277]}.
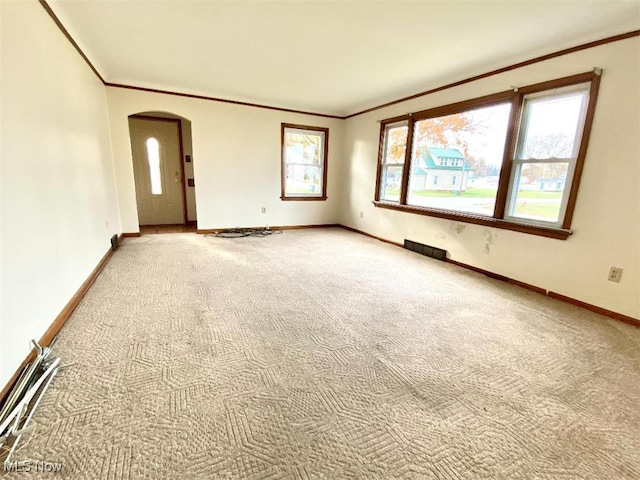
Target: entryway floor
{"type": "Point", "coordinates": [153, 229]}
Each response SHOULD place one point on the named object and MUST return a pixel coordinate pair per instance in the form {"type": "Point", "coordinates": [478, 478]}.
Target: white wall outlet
{"type": "Point", "coordinates": [614, 274]}
{"type": "Point", "coordinates": [361, 214]}
{"type": "Point", "coordinates": [264, 209]}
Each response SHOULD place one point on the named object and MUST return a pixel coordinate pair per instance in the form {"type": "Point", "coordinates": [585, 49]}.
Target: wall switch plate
{"type": "Point", "coordinates": [361, 214]}
{"type": "Point", "coordinates": [264, 209]}
{"type": "Point", "coordinates": [614, 274]}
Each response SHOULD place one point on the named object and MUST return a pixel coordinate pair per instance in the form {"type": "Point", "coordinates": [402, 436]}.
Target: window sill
{"type": "Point", "coordinates": [557, 233]}
{"type": "Point", "coordinates": [303, 199]}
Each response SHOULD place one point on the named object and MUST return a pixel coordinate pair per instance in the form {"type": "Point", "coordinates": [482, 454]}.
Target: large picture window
{"type": "Point", "coordinates": [457, 159]}
{"type": "Point", "coordinates": [304, 162]}
{"type": "Point", "coordinates": [511, 160]}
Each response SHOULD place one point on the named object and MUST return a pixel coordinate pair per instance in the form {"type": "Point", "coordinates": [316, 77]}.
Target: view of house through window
{"type": "Point", "coordinates": [456, 160]}
{"type": "Point", "coordinates": [547, 151]}
{"type": "Point", "coordinates": [511, 158]}
{"type": "Point", "coordinates": [153, 157]}
{"type": "Point", "coordinates": [304, 156]}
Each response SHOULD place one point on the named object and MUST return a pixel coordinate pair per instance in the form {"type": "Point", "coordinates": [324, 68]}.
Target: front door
{"type": "Point", "coordinates": [155, 146]}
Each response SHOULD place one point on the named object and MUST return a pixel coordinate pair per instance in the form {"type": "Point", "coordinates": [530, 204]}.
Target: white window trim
{"type": "Point", "coordinates": [518, 162]}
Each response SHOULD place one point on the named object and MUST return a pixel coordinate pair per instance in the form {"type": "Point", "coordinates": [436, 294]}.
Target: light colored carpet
{"type": "Point", "coordinates": [326, 354]}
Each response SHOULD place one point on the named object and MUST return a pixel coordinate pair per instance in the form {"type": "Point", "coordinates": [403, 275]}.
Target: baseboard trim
{"type": "Point", "coordinates": [59, 321]}
{"type": "Point", "coordinates": [271, 227]}
{"type": "Point", "coordinates": [557, 296]}
{"type": "Point", "coordinates": [66, 312]}
{"type": "Point", "coordinates": [371, 236]}
{"type": "Point", "coordinates": [497, 276]}
{"type": "Point", "coordinates": [593, 308]}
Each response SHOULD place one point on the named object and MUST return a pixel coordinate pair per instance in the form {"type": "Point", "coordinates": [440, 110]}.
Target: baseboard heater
{"type": "Point", "coordinates": [426, 250]}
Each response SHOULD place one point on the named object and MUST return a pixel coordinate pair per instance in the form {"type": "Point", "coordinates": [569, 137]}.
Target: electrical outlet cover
{"type": "Point", "coordinates": [614, 274]}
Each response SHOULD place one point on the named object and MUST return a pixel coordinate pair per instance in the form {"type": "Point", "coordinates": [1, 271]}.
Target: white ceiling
{"type": "Point", "coordinates": [333, 57]}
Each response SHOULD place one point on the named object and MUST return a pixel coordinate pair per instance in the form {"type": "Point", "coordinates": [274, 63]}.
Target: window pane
{"type": "Point", "coordinates": [391, 180]}
{"type": "Point", "coordinates": [396, 144]}
{"type": "Point", "coordinates": [551, 125]}
{"type": "Point", "coordinates": [456, 160]}
{"type": "Point", "coordinates": [304, 148]}
{"type": "Point", "coordinates": [539, 188]}
{"type": "Point", "coordinates": [153, 157]}
{"type": "Point", "coordinates": [303, 179]}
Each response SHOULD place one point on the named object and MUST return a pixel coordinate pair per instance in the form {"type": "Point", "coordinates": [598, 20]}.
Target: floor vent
{"type": "Point", "coordinates": [425, 250]}
{"type": "Point", "coordinates": [114, 242]}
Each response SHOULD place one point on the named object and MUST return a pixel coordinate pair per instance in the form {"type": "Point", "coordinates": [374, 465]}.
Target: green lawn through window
{"type": "Point", "coordinates": [475, 193]}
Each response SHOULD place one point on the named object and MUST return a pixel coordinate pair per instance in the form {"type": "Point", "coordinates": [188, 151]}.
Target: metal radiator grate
{"type": "Point", "coordinates": [426, 250]}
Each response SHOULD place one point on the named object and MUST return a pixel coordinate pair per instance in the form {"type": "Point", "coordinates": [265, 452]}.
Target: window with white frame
{"type": "Point", "coordinates": [546, 154]}
{"type": "Point", "coordinates": [393, 156]}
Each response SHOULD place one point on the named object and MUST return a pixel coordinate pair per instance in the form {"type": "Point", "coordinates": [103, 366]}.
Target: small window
{"type": "Point", "coordinates": [153, 157]}
{"type": "Point", "coordinates": [547, 150]}
{"type": "Point", "coordinates": [304, 162]}
{"type": "Point", "coordinates": [394, 152]}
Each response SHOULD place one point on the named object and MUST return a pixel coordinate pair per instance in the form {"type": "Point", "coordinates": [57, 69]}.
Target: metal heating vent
{"type": "Point", "coordinates": [114, 242]}
{"type": "Point", "coordinates": [425, 250]}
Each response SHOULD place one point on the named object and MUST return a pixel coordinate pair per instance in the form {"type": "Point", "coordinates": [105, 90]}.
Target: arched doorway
{"type": "Point", "coordinates": [162, 155]}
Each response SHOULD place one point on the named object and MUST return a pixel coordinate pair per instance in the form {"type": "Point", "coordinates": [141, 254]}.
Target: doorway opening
{"type": "Point", "coordinates": [162, 153]}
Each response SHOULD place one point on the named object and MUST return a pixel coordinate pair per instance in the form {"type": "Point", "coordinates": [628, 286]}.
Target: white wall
{"type": "Point", "coordinates": [236, 161]}
{"type": "Point", "coordinates": [57, 183]}
{"type": "Point", "coordinates": [606, 222]}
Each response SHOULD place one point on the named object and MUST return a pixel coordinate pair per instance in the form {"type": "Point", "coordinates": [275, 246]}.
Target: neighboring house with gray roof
{"type": "Point", "coordinates": [440, 169]}
{"type": "Point", "coordinates": [551, 184]}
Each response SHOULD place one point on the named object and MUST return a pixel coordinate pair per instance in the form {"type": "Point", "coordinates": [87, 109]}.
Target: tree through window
{"type": "Point", "coordinates": [511, 160]}
{"type": "Point", "coordinates": [465, 151]}
{"type": "Point", "coordinates": [304, 162]}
